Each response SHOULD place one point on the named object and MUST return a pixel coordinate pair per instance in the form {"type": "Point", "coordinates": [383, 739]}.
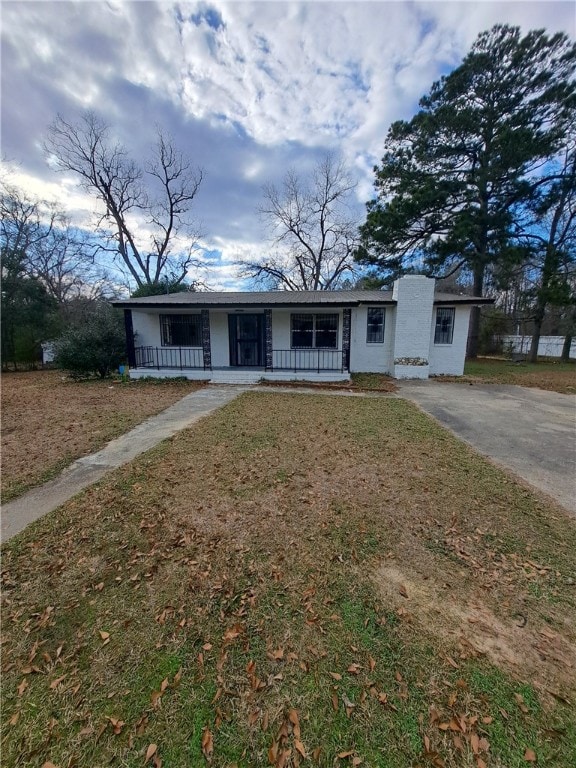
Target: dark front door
{"type": "Point", "coordinates": [246, 333]}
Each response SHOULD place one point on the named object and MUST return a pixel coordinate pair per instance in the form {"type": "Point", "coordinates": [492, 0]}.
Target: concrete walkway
{"type": "Point", "coordinates": [17, 514]}
{"type": "Point", "coordinates": [528, 431]}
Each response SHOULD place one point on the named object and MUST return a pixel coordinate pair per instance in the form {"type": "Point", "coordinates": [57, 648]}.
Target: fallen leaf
{"type": "Point", "coordinates": [335, 675]}
{"type": "Point", "coordinates": [55, 683]}
{"type": "Point", "coordinates": [300, 747]}
{"type": "Point", "coordinates": [150, 752]}
{"type": "Point", "coordinates": [452, 663]}
{"type": "Point", "coordinates": [273, 753]}
{"type": "Point", "coordinates": [354, 669]}
{"type": "Point", "coordinates": [104, 635]}
{"type": "Point", "coordinates": [207, 744]}
{"type": "Point", "coordinates": [48, 764]}
{"type": "Point", "coordinates": [475, 743]}
{"type": "Point", "coordinates": [14, 719]}
{"type": "Point", "coordinates": [22, 687]}
{"type": "Point", "coordinates": [233, 632]}
{"type": "Point", "coordinates": [372, 663]}
{"type": "Point", "coordinates": [117, 725]}
{"type": "Point", "coordinates": [403, 591]}
{"type": "Point", "coordinates": [342, 755]}
{"type": "Point", "coordinates": [530, 756]}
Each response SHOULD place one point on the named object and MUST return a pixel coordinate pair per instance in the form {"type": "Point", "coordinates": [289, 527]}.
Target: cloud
{"type": "Point", "coordinates": [247, 89]}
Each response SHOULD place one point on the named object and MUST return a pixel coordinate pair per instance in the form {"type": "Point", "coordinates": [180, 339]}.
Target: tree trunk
{"type": "Point", "coordinates": [565, 356]}
{"type": "Point", "coordinates": [534, 344]}
{"type": "Point", "coordinates": [474, 329]}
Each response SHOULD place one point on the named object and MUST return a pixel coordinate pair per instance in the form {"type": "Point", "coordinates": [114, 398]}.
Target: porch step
{"type": "Point", "coordinates": [236, 377]}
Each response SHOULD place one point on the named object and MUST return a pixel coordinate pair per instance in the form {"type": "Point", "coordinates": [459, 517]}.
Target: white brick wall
{"type": "Point", "coordinates": [371, 358]}
{"type": "Point", "coordinates": [449, 359]}
{"type": "Point", "coordinates": [415, 298]}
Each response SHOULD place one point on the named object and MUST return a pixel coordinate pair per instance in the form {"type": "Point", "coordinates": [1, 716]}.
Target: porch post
{"type": "Point", "coordinates": [346, 322]}
{"type": "Point", "coordinates": [130, 349]}
{"type": "Point", "coordinates": [269, 362]}
{"type": "Point", "coordinates": [206, 347]}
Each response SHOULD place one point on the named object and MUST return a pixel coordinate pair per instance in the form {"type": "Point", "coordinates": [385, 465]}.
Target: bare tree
{"type": "Point", "coordinates": [160, 193]}
{"type": "Point", "coordinates": [314, 233]}
{"type": "Point", "coordinates": [23, 223]}
{"type": "Point", "coordinates": [47, 246]}
{"type": "Point", "coordinates": [549, 238]}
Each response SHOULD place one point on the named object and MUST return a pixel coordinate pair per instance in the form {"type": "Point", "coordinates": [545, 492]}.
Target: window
{"type": "Point", "coordinates": [444, 325]}
{"type": "Point", "coordinates": [375, 327]}
{"type": "Point", "coordinates": [181, 330]}
{"type": "Point", "coordinates": [314, 331]}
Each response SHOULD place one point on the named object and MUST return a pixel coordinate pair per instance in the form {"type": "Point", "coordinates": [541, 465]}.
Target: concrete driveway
{"type": "Point", "coordinates": [528, 431]}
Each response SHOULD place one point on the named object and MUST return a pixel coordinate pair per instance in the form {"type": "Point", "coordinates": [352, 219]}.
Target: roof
{"type": "Point", "coordinates": [205, 299]}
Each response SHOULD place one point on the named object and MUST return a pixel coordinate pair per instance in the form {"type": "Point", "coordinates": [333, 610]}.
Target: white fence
{"type": "Point", "coordinates": [549, 346]}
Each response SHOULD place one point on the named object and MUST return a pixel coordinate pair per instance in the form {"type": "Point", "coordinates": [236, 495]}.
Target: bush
{"type": "Point", "coordinates": [97, 347]}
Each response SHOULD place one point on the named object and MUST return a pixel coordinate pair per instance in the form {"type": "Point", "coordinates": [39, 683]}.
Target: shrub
{"type": "Point", "coordinates": [96, 347]}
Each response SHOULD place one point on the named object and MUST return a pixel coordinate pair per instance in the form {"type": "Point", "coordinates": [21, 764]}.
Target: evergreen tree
{"type": "Point", "coordinates": [454, 177]}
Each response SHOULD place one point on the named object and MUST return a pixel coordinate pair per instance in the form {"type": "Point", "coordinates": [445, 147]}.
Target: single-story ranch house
{"type": "Point", "coordinates": [409, 332]}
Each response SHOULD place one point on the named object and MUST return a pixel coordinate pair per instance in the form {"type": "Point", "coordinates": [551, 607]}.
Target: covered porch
{"type": "Point", "coordinates": [244, 346]}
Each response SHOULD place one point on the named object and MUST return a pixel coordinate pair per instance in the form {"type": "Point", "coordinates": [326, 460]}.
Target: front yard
{"type": "Point", "coordinates": [296, 580]}
{"type": "Point", "coordinates": [48, 421]}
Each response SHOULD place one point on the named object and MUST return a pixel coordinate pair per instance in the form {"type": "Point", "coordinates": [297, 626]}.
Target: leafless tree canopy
{"type": "Point", "coordinates": [314, 234]}
{"type": "Point", "coordinates": [40, 235]}
{"type": "Point", "coordinates": [159, 196]}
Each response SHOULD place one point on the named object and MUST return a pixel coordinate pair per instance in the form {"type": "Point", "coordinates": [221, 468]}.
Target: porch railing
{"type": "Point", "coordinates": [169, 357]}
{"type": "Point", "coordinates": [309, 360]}
{"type": "Point", "coordinates": [181, 358]}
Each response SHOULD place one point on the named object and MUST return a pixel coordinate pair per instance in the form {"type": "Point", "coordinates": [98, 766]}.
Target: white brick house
{"type": "Point", "coordinates": [410, 332]}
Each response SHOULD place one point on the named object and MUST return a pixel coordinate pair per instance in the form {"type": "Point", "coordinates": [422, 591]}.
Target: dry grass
{"type": "Point", "coordinates": [296, 580]}
{"type": "Point", "coordinates": [48, 421]}
{"type": "Point", "coordinates": [551, 375]}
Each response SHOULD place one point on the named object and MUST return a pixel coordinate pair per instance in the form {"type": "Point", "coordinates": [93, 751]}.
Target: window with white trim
{"type": "Point", "coordinates": [444, 330]}
{"type": "Point", "coordinates": [375, 325]}
{"type": "Point", "coordinates": [181, 330]}
{"type": "Point", "coordinates": [309, 331]}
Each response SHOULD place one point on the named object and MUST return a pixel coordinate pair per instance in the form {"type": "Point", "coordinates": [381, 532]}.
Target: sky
{"type": "Point", "coordinates": [247, 90]}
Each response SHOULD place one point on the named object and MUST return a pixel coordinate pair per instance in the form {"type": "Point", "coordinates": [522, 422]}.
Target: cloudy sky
{"type": "Point", "coordinates": [246, 89]}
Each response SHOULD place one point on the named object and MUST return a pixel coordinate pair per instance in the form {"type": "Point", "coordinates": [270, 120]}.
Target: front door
{"type": "Point", "coordinates": [246, 334]}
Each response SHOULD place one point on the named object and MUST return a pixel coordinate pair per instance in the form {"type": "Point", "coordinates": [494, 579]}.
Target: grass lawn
{"type": "Point", "coordinates": [296, 580]}
{"type": "Point", "coordinates": [48, 421]}
{"type": "Point", "coordinates": [551, 375]}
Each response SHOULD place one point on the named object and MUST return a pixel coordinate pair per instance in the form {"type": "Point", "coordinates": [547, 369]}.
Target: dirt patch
{"type": "Point", "coordinates": [48, 420]}
{"type": "Point", "coordinates": [530, 650]}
